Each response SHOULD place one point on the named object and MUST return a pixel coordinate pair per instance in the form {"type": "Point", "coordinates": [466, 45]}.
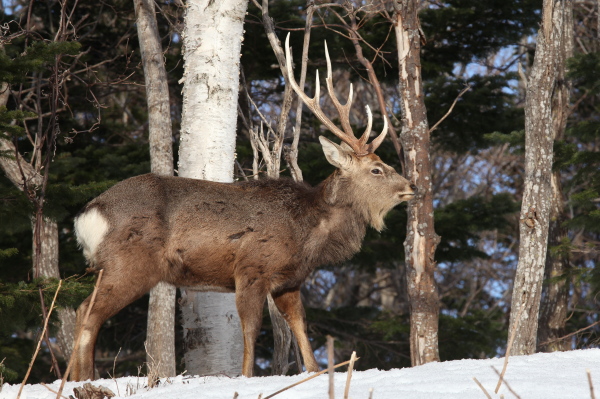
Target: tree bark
{"type": "Point", "coordinates": [160, 336]}
{"type": "Point", "coordinates": [212, 42]}
{"type": "Point", "coordinates": [535, 209]}
{"type": "Point", "coordinates": [421, 239]}
{"type": "Point", "coordinates": [555, 295]}
{"type": "Point", "coordinates": [17, 170]}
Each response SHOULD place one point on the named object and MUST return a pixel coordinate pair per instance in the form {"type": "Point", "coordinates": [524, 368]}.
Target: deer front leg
{"type": "Point", "coordinates": [250, 299]}
{"type": "Point", "coordinates": [290, 305]}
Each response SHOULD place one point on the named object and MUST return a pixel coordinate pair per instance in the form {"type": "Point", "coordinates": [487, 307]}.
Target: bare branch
{"type": "Point", "coordinates": [463, 91]}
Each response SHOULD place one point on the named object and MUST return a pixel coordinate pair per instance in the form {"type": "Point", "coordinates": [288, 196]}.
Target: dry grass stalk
{"type": "Point", "coordinates": [350, 368]}
{"type": "Point", "coordinates": [589, 375]}
{"type": "Point", "coordinates": [153, 367]}
{"type": "Point", "coordinates": [39, 344]}
{"type": "Point", "coordinates": [509, 346]}
{"type": "Point", "coordinates": [78, 338]}
{"type": "Point", "coordinates": [330, 365]}
{"type": "Point", "coordinates": [308, 378]}
{"type": "Point", "coordinates": [482, 388]}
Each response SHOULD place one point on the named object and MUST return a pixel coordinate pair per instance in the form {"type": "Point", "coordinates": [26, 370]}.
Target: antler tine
{"type": "Point", "coordinates": [360, 147]}
{"type": "Point", "coordinates": [365, 136]}
{"type": "Point", "coordinates": [343, 110]}
{"type": "Point", "coordinates": [373, 145]}
{"type": "Point", "coordinates": [313, 103]}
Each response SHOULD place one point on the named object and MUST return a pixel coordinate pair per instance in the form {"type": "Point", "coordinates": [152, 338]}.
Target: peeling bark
{"type": "Point", "coordinates": [421, 239]}
{"type": "Point", "coordinates": [160, 335]}
{"type": "Point", "coordinates": [212, 41]}
{"type": "Point", "coordinates": [535, 209]}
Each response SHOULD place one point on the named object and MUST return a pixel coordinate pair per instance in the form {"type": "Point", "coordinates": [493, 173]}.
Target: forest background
{"type": "Point", "coordinates": [94, 122]}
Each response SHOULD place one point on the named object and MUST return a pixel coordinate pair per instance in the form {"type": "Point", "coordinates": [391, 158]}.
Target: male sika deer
{"type": "Point", "coordinates": [252, 238]}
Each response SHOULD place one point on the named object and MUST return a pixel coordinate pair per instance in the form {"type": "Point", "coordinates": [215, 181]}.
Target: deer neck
{"type": "Point", "coordinates": [341, 228]}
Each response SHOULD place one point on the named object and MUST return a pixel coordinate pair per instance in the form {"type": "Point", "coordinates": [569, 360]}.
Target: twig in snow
{"type": "Point", "coordinates": [37, 349]}
{"type": "Point", "coordinates": [509, 346]}
{"type": "Point", "coordinates": [482, 388]}
{"type": "Point", "coordinates": [506, 383]}
{"type": "Point", "coordinates": [350, 367]}
{"type": "Point", "coordinates": [308, 378]}
{"type": "Point", "coordinates": [589, 375]}
{"type": "Point", "coordinates": [52, 390]}
{"type": "Point", "coordinates": [330, 364]}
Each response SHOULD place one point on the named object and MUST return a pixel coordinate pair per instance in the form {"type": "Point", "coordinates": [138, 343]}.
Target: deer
{"type": "Point", "coordinates": [252, 238]}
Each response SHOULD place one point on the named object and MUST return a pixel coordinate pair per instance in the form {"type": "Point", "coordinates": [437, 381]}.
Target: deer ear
{"type": "Point", "coordinates": [336, 155]}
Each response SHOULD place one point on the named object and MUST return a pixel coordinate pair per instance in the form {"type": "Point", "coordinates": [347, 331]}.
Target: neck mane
{"type": "Point", "coordinates": [340, 227]}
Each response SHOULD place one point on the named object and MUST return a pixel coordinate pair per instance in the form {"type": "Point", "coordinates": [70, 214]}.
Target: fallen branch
{"type": "Point", "coordinates": [39, 344]}
{"type": "Point", "coordinates": [309, 378]}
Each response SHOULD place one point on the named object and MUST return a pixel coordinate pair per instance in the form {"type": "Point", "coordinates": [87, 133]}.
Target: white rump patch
{"type": "Point", "coordinates": [90, 229]}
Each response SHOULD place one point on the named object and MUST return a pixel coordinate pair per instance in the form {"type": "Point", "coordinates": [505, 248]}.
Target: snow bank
{"type": "Point", "coordinates": [543, 375]}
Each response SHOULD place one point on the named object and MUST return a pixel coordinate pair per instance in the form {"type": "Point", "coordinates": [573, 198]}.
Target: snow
{"type": "Point", "coordinates": [544, 375]}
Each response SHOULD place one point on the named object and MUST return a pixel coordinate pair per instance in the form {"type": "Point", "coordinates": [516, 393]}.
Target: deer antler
{"type": "Point", "coordinates": [359, 146]}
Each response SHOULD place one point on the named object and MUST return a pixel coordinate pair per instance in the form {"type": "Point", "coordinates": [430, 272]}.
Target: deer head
{"type": "Point", "coordinates": [355, 159]}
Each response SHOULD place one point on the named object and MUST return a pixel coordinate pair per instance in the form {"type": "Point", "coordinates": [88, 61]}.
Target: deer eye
{"type": "Point", "coordinates": [377, 171]}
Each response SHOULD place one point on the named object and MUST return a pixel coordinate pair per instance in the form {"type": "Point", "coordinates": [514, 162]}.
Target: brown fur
{"type": "Point", "coordinates": [254, 238]}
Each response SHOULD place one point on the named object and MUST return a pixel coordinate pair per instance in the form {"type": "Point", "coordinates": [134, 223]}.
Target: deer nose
{"type": "Point", "coordinates": [413, 187]}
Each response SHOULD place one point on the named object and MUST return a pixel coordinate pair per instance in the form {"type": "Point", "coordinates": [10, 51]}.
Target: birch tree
{"type": "Point", "coordinates": [160, 341]}
{"type": "Point", "coordinates": [211, 44]}
{"type": "Point", "coordinates": [537, 195]}
{"type": "Point", "coordinates": [421, 238]}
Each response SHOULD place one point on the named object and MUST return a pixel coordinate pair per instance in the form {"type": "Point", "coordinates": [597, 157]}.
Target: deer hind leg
{"type": "Point", "coordinates": [250, 298]}
{"type": "Point", "coordinates": [290, 305]}
{"type": "Point", "coordinates": [114, 293]}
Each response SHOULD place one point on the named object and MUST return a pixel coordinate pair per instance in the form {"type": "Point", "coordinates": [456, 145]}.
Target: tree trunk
{"type": "Point", "coordinates": [48, 267]}
{"type": "Point", "coordinates": [535, 209]}
{"type": "Point", "coordinates": [212, 42]}
{"type": "Point", "coordinates": [421, 239]}
{"type": "Point", "coordinates": [160, 336]}
{"type": "Point", "coordinates": [48, 238]}
{"type": "Point", "coordinates": [555, 295]}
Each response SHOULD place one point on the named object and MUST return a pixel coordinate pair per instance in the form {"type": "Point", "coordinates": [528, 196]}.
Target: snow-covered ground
{"type": "Point", "coordinates": [544, 375]}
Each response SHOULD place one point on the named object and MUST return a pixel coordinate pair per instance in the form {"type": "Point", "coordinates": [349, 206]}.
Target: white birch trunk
{"type": "Point", "coordinates": [212, 41]}
{"type": "Point", "coordinates": [160, 336]}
